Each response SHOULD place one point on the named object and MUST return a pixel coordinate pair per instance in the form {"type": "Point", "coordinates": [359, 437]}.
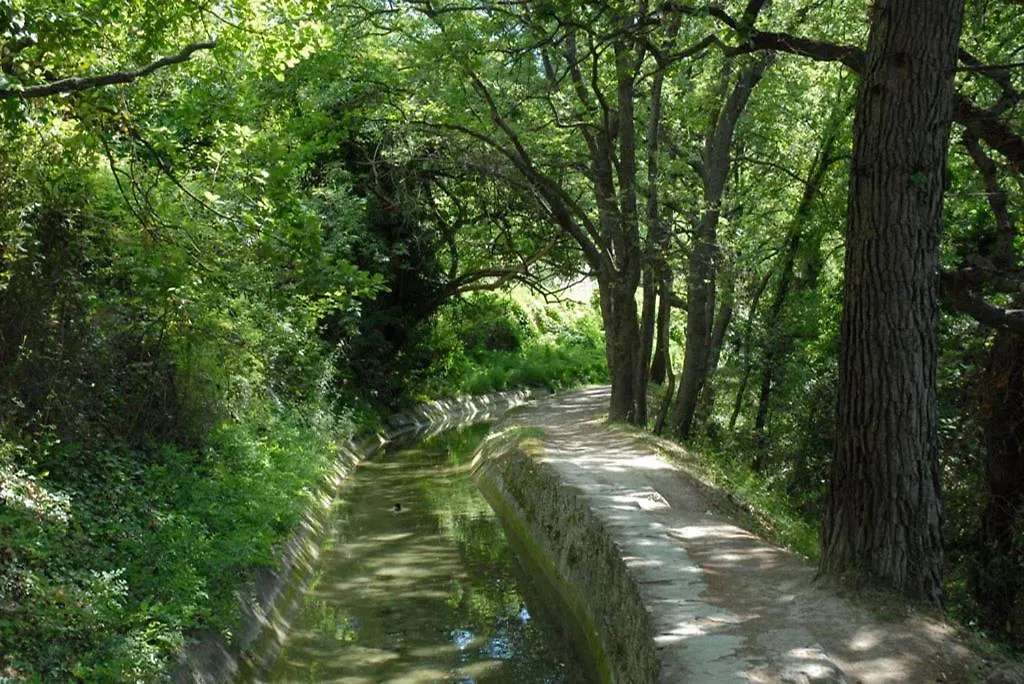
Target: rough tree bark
{"type": "Point", "coordinates": [883, 520]}
{"type": "Point", "coordinates": [998, 584]}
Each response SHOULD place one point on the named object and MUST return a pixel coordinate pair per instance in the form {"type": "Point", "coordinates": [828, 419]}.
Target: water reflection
{"type": "Point", "coordinates": [418, 584]}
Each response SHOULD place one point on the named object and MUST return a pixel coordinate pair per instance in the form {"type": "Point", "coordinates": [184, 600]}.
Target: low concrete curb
{"type": "Point", "coordinates": [438, 416]}
{"type": "Point", "coordinates": [556, 532]}
{"type": "Point", "coordinates": [267, 612]}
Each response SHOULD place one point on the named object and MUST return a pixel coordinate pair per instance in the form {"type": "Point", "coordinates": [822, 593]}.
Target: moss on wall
{"type": "Point", "coordinates": [562, 539]}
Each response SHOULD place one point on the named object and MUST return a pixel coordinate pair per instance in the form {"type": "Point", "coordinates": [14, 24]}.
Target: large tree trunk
{"type": "Point", "coordinates": [884, 516]}
{"type": "Point", "coordinates": [998, 584]}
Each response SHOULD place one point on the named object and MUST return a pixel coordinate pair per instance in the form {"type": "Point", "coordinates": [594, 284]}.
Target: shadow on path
{"type": "Point", "coordinates": [726, 605]}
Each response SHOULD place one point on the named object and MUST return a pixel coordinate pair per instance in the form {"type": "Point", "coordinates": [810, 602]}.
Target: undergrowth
{"type": "Point", "coordinates": [110, 560]}
{"type": "Point", "coordinates": [762, 502]}
{"type": "Point", "coordinates": [763, 498]}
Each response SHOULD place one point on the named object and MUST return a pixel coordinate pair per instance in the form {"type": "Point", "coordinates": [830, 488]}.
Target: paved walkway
{"type": "Point", "coordinates": [726, 605]}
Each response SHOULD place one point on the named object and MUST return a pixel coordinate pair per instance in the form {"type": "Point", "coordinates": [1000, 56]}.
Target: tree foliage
{"type": "Point", "coordinates": [230, 229]}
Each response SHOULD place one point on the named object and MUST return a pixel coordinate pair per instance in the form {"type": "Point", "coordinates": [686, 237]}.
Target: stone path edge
{"type": "Point", "coordinates": [266, 614]}
{"type": "Point", "coordinates": [557, 534]}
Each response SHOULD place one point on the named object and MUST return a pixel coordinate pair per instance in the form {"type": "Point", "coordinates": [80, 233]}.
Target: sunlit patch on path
{"type": "Point", "coordinates": [725, 605]}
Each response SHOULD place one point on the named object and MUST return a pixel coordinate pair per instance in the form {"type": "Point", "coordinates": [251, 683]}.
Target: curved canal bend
{"type": "Point", "coordinates": [417, 583]}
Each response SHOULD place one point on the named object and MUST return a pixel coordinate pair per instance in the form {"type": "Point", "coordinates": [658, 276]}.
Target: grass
{"type": "Point", "coordinates": [762, 508]}
{"type": "Point", "coordinates": [773, 512]}
{"type": "Point", "coordinates": [758, 498]}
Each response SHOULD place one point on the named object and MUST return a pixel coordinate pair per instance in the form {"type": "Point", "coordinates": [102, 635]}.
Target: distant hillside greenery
{"type": "Point", "coordinates": [490, 343]}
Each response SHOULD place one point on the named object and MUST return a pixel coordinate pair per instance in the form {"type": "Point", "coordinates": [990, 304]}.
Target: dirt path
{"type": "Point", "coordinates": [726, 605]}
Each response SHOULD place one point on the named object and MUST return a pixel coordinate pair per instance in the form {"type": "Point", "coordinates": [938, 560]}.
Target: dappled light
{"type": "Point", "coordinates": [243, 245]}
{"type": "Point", "coordinates": [424, 591]}
{"type": "Point", "coordinates": [724, 604]}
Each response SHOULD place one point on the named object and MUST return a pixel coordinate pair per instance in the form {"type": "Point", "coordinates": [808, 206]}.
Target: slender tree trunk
{"type": "Point", "coordinates": [776, 344]}
{"type": "Point", "coordinates": [622, 346]}
{"type": "Point", "coordinates": [649, 316]}
{"type": "Point", "coordinates": [666, 404]}
{"type": "Point", "coordinates": [656, 272]}
{"type": "Point", "coordinates": [700, 277]}
{"type": "Point", "coordinates": [884, 517]}
{"type": "Point", "coordinates": [743, 350]}
{"type": "Point", "coordinates": [706, 406]}
{"type": "Point", "coordinates": [660, 363]}
{"type": "Point", "coordinates": [763, 396]}
{"type": "Point", "coordinates": [700, 302]}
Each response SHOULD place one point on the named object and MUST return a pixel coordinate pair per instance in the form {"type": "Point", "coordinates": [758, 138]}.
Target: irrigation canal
{"type": "Point", "coordinates": [418, 583]}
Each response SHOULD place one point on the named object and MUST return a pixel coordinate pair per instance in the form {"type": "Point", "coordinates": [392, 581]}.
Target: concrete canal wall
{"type": "Point", "coordinates": [557, 533]}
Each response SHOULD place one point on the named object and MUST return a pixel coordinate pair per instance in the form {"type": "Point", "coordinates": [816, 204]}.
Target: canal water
{"type": "Point", "coordinates": [418, 584]}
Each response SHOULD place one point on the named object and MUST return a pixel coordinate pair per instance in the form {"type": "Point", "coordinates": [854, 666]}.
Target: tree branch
{"type": "Point", "coordinates": [818, 50]}
{"type": "Point", "coordinates": [79, 83]}
{"type": "Point", "coordinates": [991, 67]}
{"type": "Point", "coordinates": [987, 126]}
{"type": "Point", "coordinates": [751, 11]}
{"type": "Point", "coordinates": [676, 301]}
{"type": "Point", "coordinates": [979, 122]}
{"type": "Point", "coordinates": [1006, 234]}
{"type": "Point", "coordinates": [474, 280]}
{"type": "Point", "coordinates": [956, 285]}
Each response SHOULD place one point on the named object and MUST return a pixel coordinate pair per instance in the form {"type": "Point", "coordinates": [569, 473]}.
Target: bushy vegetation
{"type": "Point", "coordinates": [113, 558]}
{"type": "Point", "coordinates": [167, 412]}
{"type": "Point", "coordinates": [486, 343]}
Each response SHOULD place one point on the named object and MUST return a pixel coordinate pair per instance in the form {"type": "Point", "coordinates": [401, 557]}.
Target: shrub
{"type": "Point", "coordinates": [488, 343]}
